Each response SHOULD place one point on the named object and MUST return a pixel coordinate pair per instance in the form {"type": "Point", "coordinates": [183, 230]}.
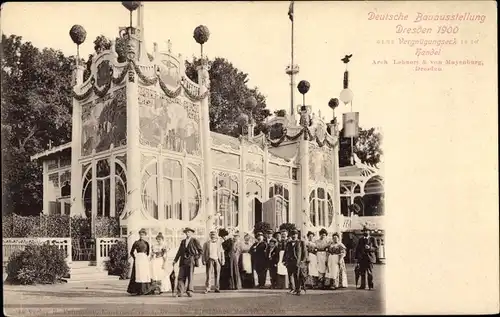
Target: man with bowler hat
{"type": "Point", "coordinates": [365, 258]}
{"type": "Point", "coordinates": [259, 262]}
{"type": "Point", "coordinates": [188, 253]}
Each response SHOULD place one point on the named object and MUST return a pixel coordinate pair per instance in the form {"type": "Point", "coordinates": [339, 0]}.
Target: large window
{"type": "Point", "coordinates": [120, 188]}
{"type": "Point", "coordinates": [172, 189]}
{"type": "Point", "coordinates": [103, 178]}
{"type": "Point", "coordinates": [87, 191]}
{"type": "Point", "coordinates": [150, 190]}
{"type": "Point", "coordinates": [193, 194]}
{"type": "Point", "coordinates": [320, 208]}
{"type": "Point", "coordinates": [282, 202]}
{"type": "Point", "coordinates": [226, 200]}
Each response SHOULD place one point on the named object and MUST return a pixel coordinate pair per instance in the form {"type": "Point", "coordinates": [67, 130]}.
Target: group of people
{"type": "Point", "coordinates": [292, 263]}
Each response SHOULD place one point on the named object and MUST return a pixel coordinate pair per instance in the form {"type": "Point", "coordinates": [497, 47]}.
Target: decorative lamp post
{"type": "Point", "coordinates": [78, 35]}
{"type": "Point", "coordinates": [131, 6]}
{"type": "Point", "coordinates": [303, 88]}
{"type": "Point", "coordinates": [201, 35]}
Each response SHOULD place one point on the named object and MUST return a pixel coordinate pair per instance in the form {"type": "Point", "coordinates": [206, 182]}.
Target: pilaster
{"type": "Point", "coordinates": [336, 181]}
{"type": "Point", "coordinates": [45, 209]}
{"type": "Point", "coordinates": [76, 140]}
{"type": "Point", "coordinates": [304, 183]}
{"type": "Point", "coordinates": [204, 83]}
{"type": "Point", "coordinates": [243, 201]}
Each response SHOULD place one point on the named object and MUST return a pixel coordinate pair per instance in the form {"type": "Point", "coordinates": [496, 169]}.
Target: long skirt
{"type": "Point", "coordinates": [160, 276]}
{"type": "Point", "coordinates": [312, 269]}
{"type": "Point", "coordinates": [140, 280]}
{"type": "Point", "coordinates": [281, 280]}
{"type": "Point", "coordinates": [225, 275]}
{"type": "Point", "coordinates": [246, 273]}
{"type": "Point", "coordinates": [336, 271]}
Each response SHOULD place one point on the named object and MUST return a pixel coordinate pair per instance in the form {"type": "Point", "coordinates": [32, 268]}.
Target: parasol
{"type": "Point", "coordinates": [172, 280]}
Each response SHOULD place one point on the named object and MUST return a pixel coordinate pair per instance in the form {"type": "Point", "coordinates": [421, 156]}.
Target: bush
{"type": "Point", "coordinates": [37, 264]}
{"type": "Point", "coordinates": [7, 226]}
{"type": "Point", "coordinates": [118, 260]}
{"type": "Point", "coordinates": [262, 227]}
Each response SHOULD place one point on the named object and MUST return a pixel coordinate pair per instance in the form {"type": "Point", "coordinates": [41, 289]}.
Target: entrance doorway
{"type": "Point", "coordinates": [254, 212]}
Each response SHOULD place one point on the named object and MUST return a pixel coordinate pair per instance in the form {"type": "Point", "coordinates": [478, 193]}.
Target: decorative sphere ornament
{"type": "Point", "coordinates": [251, 103]}
{"type": "Point", "coordinates": [78, 34]}
{"type": "Point", "coordinates": [201, 34]}
{"type": "Point", "coordinates": [243, 119]}
{"type": "Point", "coordinates": [303, 86]}
{"type": "Point", "coordinates": [333, 103]}
{"type": "Point", "coordinates": [346, 96]}
{"type": "Point", "coordinates": [131, 5]}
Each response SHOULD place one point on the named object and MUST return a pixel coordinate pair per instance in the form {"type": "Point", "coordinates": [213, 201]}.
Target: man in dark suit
{"type": "Point", "coordinates": [294, 258]}
{"type": "Point", "coordinates": [365, 257]}
{"type": "Point", "coordinates": [188, 253]}
{"type": "Point", "coordinates": [259, 263]}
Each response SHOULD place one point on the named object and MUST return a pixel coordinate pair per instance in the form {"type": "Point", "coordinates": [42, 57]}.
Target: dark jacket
{"type": "Point", "coordinates": [272, 257]}
{"type": "Point", "coordinates": [295, 254]}
{"type": "Point", "coordinates": [189, 255]}
{"type": "Point", "coordinates": [258, 253]}
{"type": "Point", "coordinates": [366, 255]}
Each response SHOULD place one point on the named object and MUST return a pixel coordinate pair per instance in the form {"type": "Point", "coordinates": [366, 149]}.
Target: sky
{"type": "Point", "coordinates": [254, 36]}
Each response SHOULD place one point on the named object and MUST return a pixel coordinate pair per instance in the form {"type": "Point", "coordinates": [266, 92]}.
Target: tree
{"type": "Point", "coordinates": [367, 146]}
{"type": "Point", "coordinates": [36, 108]}
{"type": "Point", "coordinates": [228, 94]}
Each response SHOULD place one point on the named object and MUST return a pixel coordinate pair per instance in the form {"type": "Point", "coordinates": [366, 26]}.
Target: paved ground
{"type": "Point", "coordinates": [110, 298]}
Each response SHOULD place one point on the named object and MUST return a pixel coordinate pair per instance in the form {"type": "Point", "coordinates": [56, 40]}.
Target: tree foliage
{"type": "Point", "coordinates": [228, 94]}
{"type": "Point", "coordinates": [36, 108]}
{"type": "Point", "coordinates": [367, 146]}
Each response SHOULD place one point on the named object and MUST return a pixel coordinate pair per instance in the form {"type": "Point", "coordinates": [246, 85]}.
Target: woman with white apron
{"type": "Point", "coordinates": [140, 279]}
{"type": "Point", "coordinates": [246, 273]}
{"type": "Point", "coordinates": [322, 245]}
{"type": "Point", "coordinates": [336, 265]}
{"type": "Point", "coordinates": [312, 276]}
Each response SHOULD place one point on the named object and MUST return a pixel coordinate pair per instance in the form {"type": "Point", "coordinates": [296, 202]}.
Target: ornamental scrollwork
{"type": "Point", "coordinates": [232, 176]}
{"type": "Point", "coordinates": [256, 181]}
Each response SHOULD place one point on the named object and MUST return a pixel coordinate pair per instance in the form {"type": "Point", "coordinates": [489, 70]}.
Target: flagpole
{"type": "Point", "coordinates": [292, 81]}
{"type": "Point", "coordinates": [292, 69]}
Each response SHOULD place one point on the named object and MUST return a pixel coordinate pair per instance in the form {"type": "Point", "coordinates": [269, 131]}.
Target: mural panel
{"type": "Point", "coordinates": [255, 163]}
{"type": "Point", "coordinates": [172, 122]}
{"type": "Point", "coordinates": [227, 160]}
{"type": "Point", "coordinates": [320, 165]}
{"type": "Point", "coordinates": [279, 170]}
{"type": "Point", "coordinates": [104, 122]}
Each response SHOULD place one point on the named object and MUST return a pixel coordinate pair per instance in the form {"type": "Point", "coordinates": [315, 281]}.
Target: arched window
{"type": "Point", "coordinates": [172, 189]}
{"type": "Point", "coordinates": [282, 202]}
{"type": "Point", "coordinates": [320, 208]}
{"type": "Point", "coordinates": [103, 177]}
{"type": "Point", "coordinates": [120, 188]}
{"type": "Point", "coordinates": [149, 191]}
{"type": "Point", "coordinates": [255, 205]}
{"type": "Point", "coordinates": [226, 200]}
{"type": "Point", "coordinates": [193, 194]}
{"type": "Point", "coordinates": [87, 191]}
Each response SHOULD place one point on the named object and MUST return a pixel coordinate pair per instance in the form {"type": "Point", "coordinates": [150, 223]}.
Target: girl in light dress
{"type": "Point", "coordinates": [312, 276]}
{"type": "Point", "coordinates": [322, 245]}
{"type": "Point", "coordinates": [159, 264]}
{"type": "Point", "coordinates": [336, 266]}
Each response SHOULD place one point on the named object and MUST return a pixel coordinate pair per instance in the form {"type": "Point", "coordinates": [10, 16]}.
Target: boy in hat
{"type": "Point", "coordinates": [188, 252]}
{"type": "Point", "coordinates": [294, 258]}
{"type": "Point", "coordinates": [272, 257]}
{"type": "Point", "coordinates": [269, 235]}
{"type": "Point", "coordinates": [365, 257]}
{"type": "Point", "coordinates": [259, 263]}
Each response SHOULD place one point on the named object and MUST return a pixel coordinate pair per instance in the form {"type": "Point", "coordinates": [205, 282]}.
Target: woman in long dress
{"type": "Point", "coordinates": [336, 265]}
{"type": "Point", "coordinates": [235, 262]}
{"type": "Point", "coordinates": [312, 277]}
{"type": "Point", "coordinates": [322, 245]}
{"type": "Point", "coordinates": [282, 278]}
{"type": "Point", "coordinates": [247, 278]}
{"type": "Point", "coordinates": [226, 280]}
{"type": "Point", "coordinates": [140, 279]}
{"type": "Point", "coordinates": [159, 274]}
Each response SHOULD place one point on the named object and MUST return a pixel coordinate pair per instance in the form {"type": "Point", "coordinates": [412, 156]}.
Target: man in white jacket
{"type": "Point", "coordinates": [213, 259]}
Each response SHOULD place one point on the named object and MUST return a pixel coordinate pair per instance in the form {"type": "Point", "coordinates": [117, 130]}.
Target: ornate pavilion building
{"type": "Point", "coordinates": [142, 150]}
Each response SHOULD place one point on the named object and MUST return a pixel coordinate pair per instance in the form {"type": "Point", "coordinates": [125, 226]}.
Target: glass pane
{"type": "Point", "coordinates": [193, 197]}
{"type": "Point", "coordinates": [172, 169]}
{"type": "Point", "coordinates": [286, 194]}
{"type": "Point", "coordinates": [312, 210]}
{"type": "Point", "coordinates": [271, 192]}
{"type": "Point", "coordinates": [168, 198]}
{"type": "Point", "coordinates": [234, 186]}
{"type": "Point", "coordinates": [87, 199]}
{"type": "Point", "coordinates": [321, 193]}
{"type": "Point", "coordinates": [254, 189]}
{"type": "Point", "coordinates": [120, 196]}
{"type": "Point", "coordinates": [150, 196]}
{"type": "Point", "coordinates": [103, 168]}
{"type": "Point", "coordinates": [321, 212]}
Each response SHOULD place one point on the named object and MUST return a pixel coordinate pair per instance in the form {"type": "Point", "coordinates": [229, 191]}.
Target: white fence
{"type": "Point", "coordinates": [103, 245]}
{"type": "Point", "coordinates": [11, 245]}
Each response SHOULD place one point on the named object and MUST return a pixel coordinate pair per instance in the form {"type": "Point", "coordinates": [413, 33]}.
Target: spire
{"type": "Point", "coordinates": [140, 25]}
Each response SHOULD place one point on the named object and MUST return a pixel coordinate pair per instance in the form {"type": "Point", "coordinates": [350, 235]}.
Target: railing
{"type": "Point", "coordinates": [11, 245]}
{"type": "Point", "coordinates": [103, 245]}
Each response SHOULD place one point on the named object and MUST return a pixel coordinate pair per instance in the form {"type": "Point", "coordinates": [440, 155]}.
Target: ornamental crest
{"type": "Point", "coordinates": [103, 75]}
{"type": "Point", "coordinates": [169, 73]}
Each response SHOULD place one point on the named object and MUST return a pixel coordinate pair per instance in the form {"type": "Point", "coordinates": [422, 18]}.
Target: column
{"type": "Point", "coordinates": [204, 83]}
{"type": "Point", "coordinates": [133, 160]}
{"type": "Point", "coordinates": [112, 184]}
{"type": "Point", "coordinates": [45, 209]}
{"type": "Point", "coordinates": [76, 139]}
{"type": "Point", "coordinates": [336, 180]}
{"type": "Point", "coordinates": [304, 184]}
{"type": "Point", "coordinates": [243, 201]}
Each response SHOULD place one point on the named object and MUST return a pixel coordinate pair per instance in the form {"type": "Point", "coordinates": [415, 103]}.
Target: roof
{"type": "Point", "coordinates": [51, 151]}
